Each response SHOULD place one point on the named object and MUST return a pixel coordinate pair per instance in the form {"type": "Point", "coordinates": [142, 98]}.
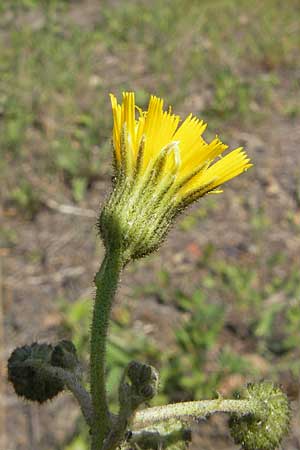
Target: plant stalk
{"type": "Point", "coordinates": [106, 281]}
{"type": "Point", "coordinates": [195, 410]}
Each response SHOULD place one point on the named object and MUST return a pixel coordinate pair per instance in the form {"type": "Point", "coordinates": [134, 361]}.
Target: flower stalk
{"type": "Point", "coordinates": [106, 281]}
{"type": "Point", "coordinates": [195, 410]}
{"type": "Point", "coordinates": [72, 383]}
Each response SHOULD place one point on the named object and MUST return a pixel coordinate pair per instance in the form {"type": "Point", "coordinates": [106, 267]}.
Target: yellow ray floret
{"type": "Point", "coordinates": [141, 138]}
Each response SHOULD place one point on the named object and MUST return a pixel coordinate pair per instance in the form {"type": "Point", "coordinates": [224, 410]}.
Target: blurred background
{"type": "Point", "coordinates": [219, 305]}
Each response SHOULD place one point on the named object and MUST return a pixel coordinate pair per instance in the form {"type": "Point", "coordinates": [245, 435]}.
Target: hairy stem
{"type": "Point", "coordinates": [117, 432]}
{"type": "Point", "coordinates": [106, 281]}
{"type": "Point", "coordinates": [195, 410]}
{"type": "Point", "coordinates": [73, 384]}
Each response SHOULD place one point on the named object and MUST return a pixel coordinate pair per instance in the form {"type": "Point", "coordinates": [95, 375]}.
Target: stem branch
{"type": "Point", "coordinates": [196, 409]}
{"type": "Point", "coordinates": [73, 384]}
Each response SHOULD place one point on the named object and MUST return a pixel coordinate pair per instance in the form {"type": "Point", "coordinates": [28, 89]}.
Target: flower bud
{"type": "Point", "coordinates": [265, 430]}
{"type": "Point", "coordinates": [144, 379]}
{"type": "Point", "coordinates": [139, 385]}
{"type": "Point", "coordinates": [24, 372]}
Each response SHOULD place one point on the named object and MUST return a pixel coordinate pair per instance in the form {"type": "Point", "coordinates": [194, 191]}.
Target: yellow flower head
{"type": "Point", "coordinates": [153, 134]}
{"type": "Point", "coordinates": [161, 166]}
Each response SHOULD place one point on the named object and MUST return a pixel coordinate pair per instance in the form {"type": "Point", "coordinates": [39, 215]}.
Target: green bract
{"type": "Point", "coordinates": [137, 216]}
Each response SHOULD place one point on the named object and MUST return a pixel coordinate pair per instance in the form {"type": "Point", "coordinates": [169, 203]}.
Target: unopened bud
{"type": "Point", "coordinates": [266, 430]}
{"type": "Point", "coordinates": [26, 374]}
{"type": "Point", "coordinates": [139, 385]}
{"type": "Point", "coordinates": [144, 379]}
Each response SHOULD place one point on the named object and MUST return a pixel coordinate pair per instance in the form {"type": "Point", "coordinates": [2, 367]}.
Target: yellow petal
{"type": "Point", "coordinates": [159, 128]}
{"type": "Point", "coordinates": [191, 158]}
{"type": "Point", "coordinates": [116, 109]}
